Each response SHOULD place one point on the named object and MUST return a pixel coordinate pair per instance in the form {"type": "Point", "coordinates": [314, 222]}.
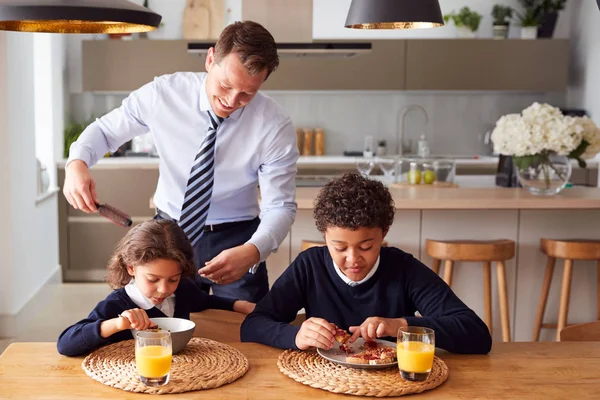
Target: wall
{"type": "Point", "coordinates": [6, 253]}
{"type": "Point", "coordinates": [29, 232]}
{"type": "Point", "coordinates": [584, 90]}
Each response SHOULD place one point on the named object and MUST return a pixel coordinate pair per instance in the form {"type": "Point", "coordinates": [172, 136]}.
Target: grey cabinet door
{"type": "Point", "coordinates": [482, 64]}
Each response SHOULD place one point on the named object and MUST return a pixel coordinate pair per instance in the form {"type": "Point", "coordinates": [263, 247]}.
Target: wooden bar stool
{"type": "Point", "coordinates": [307, 244]}
{"type": "Point", "coordinates": [498, 251]}
{"type": "Point", "coordinates": [569, 251]}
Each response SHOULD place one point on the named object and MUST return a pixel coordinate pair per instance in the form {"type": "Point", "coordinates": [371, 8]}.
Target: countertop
{"type": "Point", "coordinates": [303, 161]}
{"type": "Point", "coordinates": [469, 198]}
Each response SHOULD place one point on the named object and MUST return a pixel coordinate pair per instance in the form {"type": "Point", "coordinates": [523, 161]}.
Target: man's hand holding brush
{"type": "Point", "coordinates": [80, 187]}
{"type": "Point", "coordinates": [80, 192]}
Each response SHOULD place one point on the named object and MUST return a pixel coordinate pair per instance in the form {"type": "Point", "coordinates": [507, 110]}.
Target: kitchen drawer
{"type": "Point", "coordinates": [92, 241]}
{"type": "Point", "coordinates": [126, 189]}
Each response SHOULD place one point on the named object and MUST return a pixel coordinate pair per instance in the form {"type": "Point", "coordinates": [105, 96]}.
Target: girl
{"type": "Point", "coordinates": [153, 272]}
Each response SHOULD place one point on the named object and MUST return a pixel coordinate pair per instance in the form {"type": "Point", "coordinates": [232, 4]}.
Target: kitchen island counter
{"type": "Point", "coordinates": [489, 198]}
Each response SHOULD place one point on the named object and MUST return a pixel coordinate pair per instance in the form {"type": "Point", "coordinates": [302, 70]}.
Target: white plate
{"type": "Point", "coordinates": [339, 356]}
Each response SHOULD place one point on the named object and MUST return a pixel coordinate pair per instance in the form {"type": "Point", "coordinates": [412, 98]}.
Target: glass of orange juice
{"type": "Point", "coordinates": [415, 349]}
{"type": "Point", "coordinates": [153, 355]}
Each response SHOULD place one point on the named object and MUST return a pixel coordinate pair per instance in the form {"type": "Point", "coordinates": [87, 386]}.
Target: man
{"type": "Point", "coordinates": [218, 139]}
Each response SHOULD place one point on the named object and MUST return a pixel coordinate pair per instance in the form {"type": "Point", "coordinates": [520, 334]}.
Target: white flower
{"type": "Point", "coordinates": [591, 134]}
{"type": "Point", "coordinates": [541, 127]}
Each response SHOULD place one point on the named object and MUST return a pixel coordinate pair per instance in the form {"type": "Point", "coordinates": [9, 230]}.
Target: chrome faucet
{"type": "Point", "coordinates": [400, 125]}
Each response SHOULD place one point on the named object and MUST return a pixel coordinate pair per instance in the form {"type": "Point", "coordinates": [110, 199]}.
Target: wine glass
{"type": "Point", "coordinates": [365, 166]}
{"type": "Point", "coordinates": [388, 166]}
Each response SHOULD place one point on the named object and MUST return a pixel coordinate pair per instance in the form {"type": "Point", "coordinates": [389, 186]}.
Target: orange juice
{"type": "Point", "coordinates": [415, 357]}
{"type": "Point", "coordinates": [153, 361]}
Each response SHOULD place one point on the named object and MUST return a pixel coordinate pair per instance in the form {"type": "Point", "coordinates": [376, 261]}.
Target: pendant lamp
{"type": "Point", "coordinates": [394, 14]}
{"type": "Point", "coordinates": [76, 16]}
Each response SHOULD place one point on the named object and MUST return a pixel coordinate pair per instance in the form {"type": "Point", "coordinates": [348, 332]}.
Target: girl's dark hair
{"type": "Point", "coordinates": [353, 202]}
{"type": "Point", "coordinates": [146, 242]}
{"type": "Point", "coordinates": [253, 44]}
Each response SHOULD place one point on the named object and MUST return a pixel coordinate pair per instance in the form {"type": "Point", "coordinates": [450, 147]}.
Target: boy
{"type": "Point", "coordinates": [355, 284]}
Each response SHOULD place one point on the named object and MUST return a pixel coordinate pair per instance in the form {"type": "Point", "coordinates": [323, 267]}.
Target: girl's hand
{"type": "Point", "coordinates": [376, 327]}
{"type": "Point", "coordinates": [315, 332]}
{"type": "Point", "coordinates": [243, 306]}
{"type": "Point", "coordinates": [136, 318]}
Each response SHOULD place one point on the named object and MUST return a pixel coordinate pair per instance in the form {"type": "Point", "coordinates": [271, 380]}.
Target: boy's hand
{"type": "Point", "coordinates": [315, 332]}
{"type": "Point", "coordinates": [136, 318]}
{"type": "Point", "coordinates": [243, 306]}
{"type": "Point", "coordinates": [376, 327]}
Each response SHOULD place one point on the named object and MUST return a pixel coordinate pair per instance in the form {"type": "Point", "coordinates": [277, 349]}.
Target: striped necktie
{"type": "Point", "coordinates": [200, 184]}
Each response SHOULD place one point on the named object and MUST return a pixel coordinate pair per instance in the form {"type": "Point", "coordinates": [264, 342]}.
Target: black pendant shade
{"type": "Point", "coordinates": [394, 14]}
{"type": "Point", "coordinates": [76, 16]}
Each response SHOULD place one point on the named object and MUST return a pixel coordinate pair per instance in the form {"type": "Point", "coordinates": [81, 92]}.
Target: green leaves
{"type": "Point", "coordinates": [466, 18]}
{"type": "Point", "coordinates": [578, 152]}
{"type": "Point", "coordinates": [72, 132]}
{"type": "Point", "coordinates": [524, 162]}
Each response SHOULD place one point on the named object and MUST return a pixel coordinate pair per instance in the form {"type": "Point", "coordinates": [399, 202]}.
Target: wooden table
{"type": "Point", "coordinates": [512, 370]}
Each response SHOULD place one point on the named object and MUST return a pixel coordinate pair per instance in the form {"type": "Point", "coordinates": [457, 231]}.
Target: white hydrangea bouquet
{"type": "Point", "coordinates": [541, 132]}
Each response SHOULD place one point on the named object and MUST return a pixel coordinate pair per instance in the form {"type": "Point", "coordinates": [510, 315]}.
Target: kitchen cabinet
{"type": "Point", "coordinates": [105, 71]}
{"type": "Point", "coordinates": [499, 65]}
{"type": "Point", "coordinates": [86, 241]}
{"type": "Point", "coordinates": [415, 64]}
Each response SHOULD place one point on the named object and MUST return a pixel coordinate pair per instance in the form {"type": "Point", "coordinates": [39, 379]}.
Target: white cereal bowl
{"type": "Point", "coordinates": [181, 331]}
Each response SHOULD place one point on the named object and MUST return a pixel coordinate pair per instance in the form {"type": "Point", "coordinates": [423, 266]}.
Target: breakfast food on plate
{"type": "Point", "coordinates": [342, 337]}
{"type": "Point", "coordinates": [372, 353]}
{"type": "Point", "coordinates": [373, 356]}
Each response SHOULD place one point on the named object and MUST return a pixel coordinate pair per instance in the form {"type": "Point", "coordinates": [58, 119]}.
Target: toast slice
{"type": "Point", "coordinates": [342, 337]}
{"type": "Point", "coordinates": [373, 356]}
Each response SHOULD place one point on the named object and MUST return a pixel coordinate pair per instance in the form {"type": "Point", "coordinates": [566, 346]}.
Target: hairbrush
{"type": "Point", "coordinates": [115, 215]}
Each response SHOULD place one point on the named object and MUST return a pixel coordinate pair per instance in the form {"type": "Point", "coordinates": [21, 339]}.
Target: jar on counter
{"type": "Point", "coordinates": [299, 135]}
{"type": "Point", "coordinates": [307, 148]}
{"type": "Point", "coordinates": [319, 142]}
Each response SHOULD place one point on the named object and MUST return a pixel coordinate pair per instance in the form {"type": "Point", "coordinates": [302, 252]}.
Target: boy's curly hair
{"type": "Point", "coordinates": [353, 202]}
{"type": "Point", "coordinates": [146, 242]}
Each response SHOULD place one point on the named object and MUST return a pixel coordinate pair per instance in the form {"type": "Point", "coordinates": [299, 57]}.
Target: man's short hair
{"type": "Point", "coordinates": [253, 44]}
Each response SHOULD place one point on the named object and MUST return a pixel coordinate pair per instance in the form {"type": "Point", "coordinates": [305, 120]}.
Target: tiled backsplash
{"type": "Point", "coordinates": [457, 120]}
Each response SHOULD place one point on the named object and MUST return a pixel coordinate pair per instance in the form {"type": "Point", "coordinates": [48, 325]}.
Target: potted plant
{"type": "Point", "coordinates": [381, 147]}
{"type": "Point", "coordinates": [502, 15]}
{"type": "Point", "coordinates": [529, 23]}
{"type": "Point", "coordinates": [72, 131]}
{"type": "Point", "coordinates": [466, 21]}
{"type": "Point", "coordinates": [546, 12]}
{"type": "Point", "coordinates": [541, 140]}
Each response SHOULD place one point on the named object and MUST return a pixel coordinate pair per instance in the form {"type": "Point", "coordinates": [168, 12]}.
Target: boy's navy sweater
{"type": "Point", "coordinates": [84, 336]}
{"type": "Point", "coordinates": [400, 286]}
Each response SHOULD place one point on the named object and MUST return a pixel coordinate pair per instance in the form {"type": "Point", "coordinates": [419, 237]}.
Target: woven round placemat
{"type": "Point", "coordinates": [313, 370]}
{"type": "Point", "coordinates": [203, 364]}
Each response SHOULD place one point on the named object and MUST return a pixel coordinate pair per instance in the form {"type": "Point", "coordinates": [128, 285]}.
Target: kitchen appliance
{"type": "Point", "coordinates": [312, 49]}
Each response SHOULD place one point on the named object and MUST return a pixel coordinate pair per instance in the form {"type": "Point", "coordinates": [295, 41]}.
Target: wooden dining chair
{"type": "Point", "coordinates": [588, 332]}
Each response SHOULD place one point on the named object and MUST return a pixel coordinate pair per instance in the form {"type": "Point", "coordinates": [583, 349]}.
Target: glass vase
{"type": "Point", "coordinates": [544, 174]}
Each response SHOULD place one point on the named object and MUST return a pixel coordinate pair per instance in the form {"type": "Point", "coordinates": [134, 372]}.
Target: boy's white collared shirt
{"type": "Point", "coordinates": [349, 281]}
{"type": "Point", "coordinates": [167, 306]}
